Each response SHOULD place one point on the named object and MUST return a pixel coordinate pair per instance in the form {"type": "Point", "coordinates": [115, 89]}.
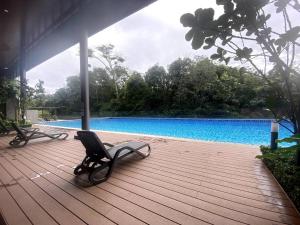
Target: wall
{"type": "Point", "coordinates": [32, 115]}
{"type": "Point", "coordinates": [11, 108]}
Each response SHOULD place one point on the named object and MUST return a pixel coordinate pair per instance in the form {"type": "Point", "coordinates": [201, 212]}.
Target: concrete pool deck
{"type": "Point", "coordinates": [182, 182]}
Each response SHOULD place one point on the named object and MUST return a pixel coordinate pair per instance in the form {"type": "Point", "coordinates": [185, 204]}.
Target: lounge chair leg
{"type": "Point", "coordinates": [80, 169]}
{"type": "Point", "coordinates": [100, 174]}
{"type": "Point", "coordinates": [142, 154]}
{"type": "Point", "coordinates": [83, 167]}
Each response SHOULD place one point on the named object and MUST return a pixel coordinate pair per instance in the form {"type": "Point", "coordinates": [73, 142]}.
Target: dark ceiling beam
{"type": "Point", "coordinates": [93, 16]}
{"type": "Point", "coordinates": [53, 26]}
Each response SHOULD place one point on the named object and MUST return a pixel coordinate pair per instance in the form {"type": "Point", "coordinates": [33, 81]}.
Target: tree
{"type": "Point", "coordinates": [8, 88]}
{"type": "Point", "coordinates": [101, 88]}
{"type": "Point", "coordinates": [190, 87]}
{"type": "Point", "coordinates": [246, 23]}
{"type": "Point", "coordinates": [156, 81]}
{"type": "Point", "coordinates": [155, 77]}
{"type": "Point", "coordinates": [60, 99]}
{"type": "Point", "coordinates": [135, 93]}
{"type": "Point", "coordinates": [177, 72]}
{"type": "Point", "coordinates": [111, 63]}
{"type": "Point", "coordinates": [39, 97]}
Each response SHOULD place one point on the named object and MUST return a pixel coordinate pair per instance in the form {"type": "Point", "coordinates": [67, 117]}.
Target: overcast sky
{"type": "Point", "coordinates": [151, 35]}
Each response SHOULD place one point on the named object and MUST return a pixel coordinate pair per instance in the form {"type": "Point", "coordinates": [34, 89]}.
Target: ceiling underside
{"type": "Point", "coordinates": [51, 26]}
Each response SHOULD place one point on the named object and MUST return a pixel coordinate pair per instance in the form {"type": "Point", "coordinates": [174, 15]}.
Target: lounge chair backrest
{"type": "Point", "coordinates": [92, 144]}
{"type": "Point", "coordinates": [19, 131]}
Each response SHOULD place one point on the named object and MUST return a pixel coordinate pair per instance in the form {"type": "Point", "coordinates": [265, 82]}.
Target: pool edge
{"type": "Point", "coordinates": [155, 136]}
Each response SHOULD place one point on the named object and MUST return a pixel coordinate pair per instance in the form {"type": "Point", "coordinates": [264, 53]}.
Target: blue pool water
{"type": "Point", "coordinates": [256, 132]}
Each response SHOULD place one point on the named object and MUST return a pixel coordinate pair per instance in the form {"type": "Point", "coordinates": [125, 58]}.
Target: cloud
{"type": "Point", "coordinates": [149, 36]}
{"type": "Point", "coordinates": [55, 70]}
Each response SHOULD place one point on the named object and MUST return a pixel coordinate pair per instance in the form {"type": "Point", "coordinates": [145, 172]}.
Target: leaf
{"type": "Point", "coordinates": [281, 4]}
{"type": "Point", "coordinates": [189, 35]}
{"type": "Point", "coordinates": [294, 138]}
{"type": "Point", "coordinates": [221, 2]}
{"type": "Point", "coordinates": [267, 156]}
{"type": "Point", "coordinates": [207, 46]}
{"type": "Point", "coordinates": [215, 56]}
{"type": "Point", "coordinates": [210, 41]}
{"type": "Point", "coordinates": [244, 53]}
{"type": "Point", "coordinates": [188, 20]}
{"type": "Point", "coordinates": [292, 34]}
{"type": "Point", "coordinates": [198, 40]}
{"type": "Point", "coordinates": [227, 60]}
{"type": "Point", "coordinates": [219, 51]}
{"type": "Point", "coordinates": [204, 16]}
{"type": "Point", "coordinates": [228, 7]}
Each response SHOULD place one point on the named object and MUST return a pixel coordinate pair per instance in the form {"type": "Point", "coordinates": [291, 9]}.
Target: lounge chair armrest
{"type": "Point", "coordinates": [108, 144]}
{"type": "Point", "coordinates": [29, 130]}
{"type": "Point", "coordinates": [35, 129]}
{"type": "Point", "coordinates": [32, 133]}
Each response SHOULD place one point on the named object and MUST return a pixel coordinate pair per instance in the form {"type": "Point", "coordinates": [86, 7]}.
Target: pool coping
{"type": "Point", "coordinates": [172, 118]}
{"type": "Point", "coordinates": [154, 136]}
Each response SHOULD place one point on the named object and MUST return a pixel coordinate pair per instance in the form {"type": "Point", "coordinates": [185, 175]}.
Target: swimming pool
{"type": "Point", "coordinates": [256, 132]}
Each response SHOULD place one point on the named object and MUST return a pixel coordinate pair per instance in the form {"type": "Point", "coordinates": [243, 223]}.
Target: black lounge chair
{"type": "Point", "coordinates": [100, 161]}
{"type": "Point", "coordinates": [4, 130]}
{"type": "Point", "coordinates": [22, 137]}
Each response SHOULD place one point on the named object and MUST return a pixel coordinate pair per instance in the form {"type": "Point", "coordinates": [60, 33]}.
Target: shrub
{"type": "Point", "coordinates": [282, 163]}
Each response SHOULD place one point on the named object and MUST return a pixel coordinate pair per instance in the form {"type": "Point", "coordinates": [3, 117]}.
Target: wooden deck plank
{"type": "Point", "coordinates": [208, 202]}
{"type": "Point", "coordinates": [57, 211]}
{"type": "Point", "coordinates": [195, 191]}
{"type": "Point", "coordinates": [256, 182]}
{"type": "Point", "coordinates": [34, 211]}
{"type": "Point", "coordinates": [184, 165]}
{"type": "Point", "coordinates": [243, 216]}
{"type": "Point", "coordinates": [222, 174]}
{"type": "Point", "coordinates": [213, 168]}
{"type": "Point", "coordinates": [48, 156]}
{"type": "Point", "coordinates": [91, 210]}
{"type": "Point", "coordinates": [242, 208]}
{"type": "Point", "coordinates": [182, 182]}
{"type": "Point", "coordinates": [86, 214]}
{"type": "Point", "coordinates": [211, 187]}
{"type": "Point", "coordinates": [117, 215]}
{"type": "Point", "coordinates": [253, 188]}
{"type": "Point", "coordinates": [130, 198]}
{"type": "Point", "coordinates": [202, 176]}
{"type": "Point", "coordinates": [10, 210]}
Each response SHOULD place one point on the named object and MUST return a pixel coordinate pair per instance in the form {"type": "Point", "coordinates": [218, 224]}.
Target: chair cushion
{"type": "Point", "coordinates": [133, 144]}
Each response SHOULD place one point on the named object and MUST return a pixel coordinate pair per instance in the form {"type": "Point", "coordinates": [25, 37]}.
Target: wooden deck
{"type": "Point", "coordinates": [182, 182]}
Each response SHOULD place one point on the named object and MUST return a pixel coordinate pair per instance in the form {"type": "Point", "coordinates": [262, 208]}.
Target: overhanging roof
{"type": "Point", "coordinates": [51, 26]}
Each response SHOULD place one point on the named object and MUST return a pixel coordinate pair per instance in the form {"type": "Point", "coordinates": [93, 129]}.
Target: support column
{"type": "Point", "coordinates": [84, 79]}
{"type": "Point", "coordinates": [22, 70]}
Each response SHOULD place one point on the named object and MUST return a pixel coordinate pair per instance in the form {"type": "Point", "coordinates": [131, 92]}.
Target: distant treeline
{"type": "Point", "coordinates": [189, 87]}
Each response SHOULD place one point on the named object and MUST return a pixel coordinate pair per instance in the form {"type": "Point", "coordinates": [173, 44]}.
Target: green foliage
{"type": "Point", "coordinates": [187, 88]}
{"type": "Point", "coordinates": [112, 65]}
{"type": "Point", "coordinates": [282, 163]}
{"type": "Point", "coordinates": [39, 95]}
{"type": "Point", "coordinates": [9, 89]}
{"type": "Point", "coordinates": [293, 139]}
{"type": "Point", "coordinates": [245, 23]}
